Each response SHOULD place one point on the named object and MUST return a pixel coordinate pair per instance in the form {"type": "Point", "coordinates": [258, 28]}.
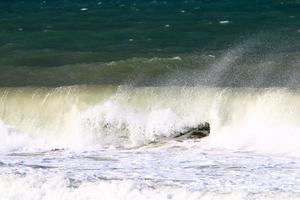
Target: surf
{"type": "Point", "coordinates": [256, 119]}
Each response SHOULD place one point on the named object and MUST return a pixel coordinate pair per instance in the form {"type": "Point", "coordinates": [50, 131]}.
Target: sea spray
{"type": "Point", "coordinates": [241, 118]}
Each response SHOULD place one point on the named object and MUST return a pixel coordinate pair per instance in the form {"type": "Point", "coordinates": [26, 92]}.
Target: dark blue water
{"type": "Point", "coordinates": [44, 42]}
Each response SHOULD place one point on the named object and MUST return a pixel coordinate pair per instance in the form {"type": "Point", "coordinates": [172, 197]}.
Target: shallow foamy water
{"type": "Point", "coordinates": [172, 170]}
{"type": "Point", "coordinates": [69, 143]}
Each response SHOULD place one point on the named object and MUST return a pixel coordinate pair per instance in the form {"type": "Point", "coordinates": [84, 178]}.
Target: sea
{"type": "Point", "coordinates": [93, 94]}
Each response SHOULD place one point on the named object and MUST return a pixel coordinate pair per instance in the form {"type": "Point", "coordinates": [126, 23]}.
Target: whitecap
{"type": "Point", "coordinates": [224, 22]}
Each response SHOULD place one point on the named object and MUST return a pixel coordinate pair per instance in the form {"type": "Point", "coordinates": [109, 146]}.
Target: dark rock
{"type": "Point", "coordinates": [200, 131]}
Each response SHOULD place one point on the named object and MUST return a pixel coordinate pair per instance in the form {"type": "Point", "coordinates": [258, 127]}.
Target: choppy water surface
{"type": "Point", "coordinates": [176, 170]}
{"type": "Point", "coordinates": [118, 144]}
{"type": "Point", "coordinates": [92, 94]}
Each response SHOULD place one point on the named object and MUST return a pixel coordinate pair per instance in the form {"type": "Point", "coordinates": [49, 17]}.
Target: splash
{"type": "Point", "coordinates": [264, 120]}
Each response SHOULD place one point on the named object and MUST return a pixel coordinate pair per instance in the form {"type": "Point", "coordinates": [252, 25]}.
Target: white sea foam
{"type": "Point", "coordinates": [174, 171]}
{"type": "Point", "coordinates": [38, 187]}
{"type": "Point", "coordinates": [11, 139]}
{"type": "Point", "coordinates": [263, 120]}
{"type": "Point", "coordinates": [78, 126]}
{"type": "Point", "coordinates": [224, 22]}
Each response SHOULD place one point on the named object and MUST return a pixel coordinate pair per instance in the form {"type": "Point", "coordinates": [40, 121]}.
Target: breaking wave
{"type": "Point", "coordinates": [264, 120]}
